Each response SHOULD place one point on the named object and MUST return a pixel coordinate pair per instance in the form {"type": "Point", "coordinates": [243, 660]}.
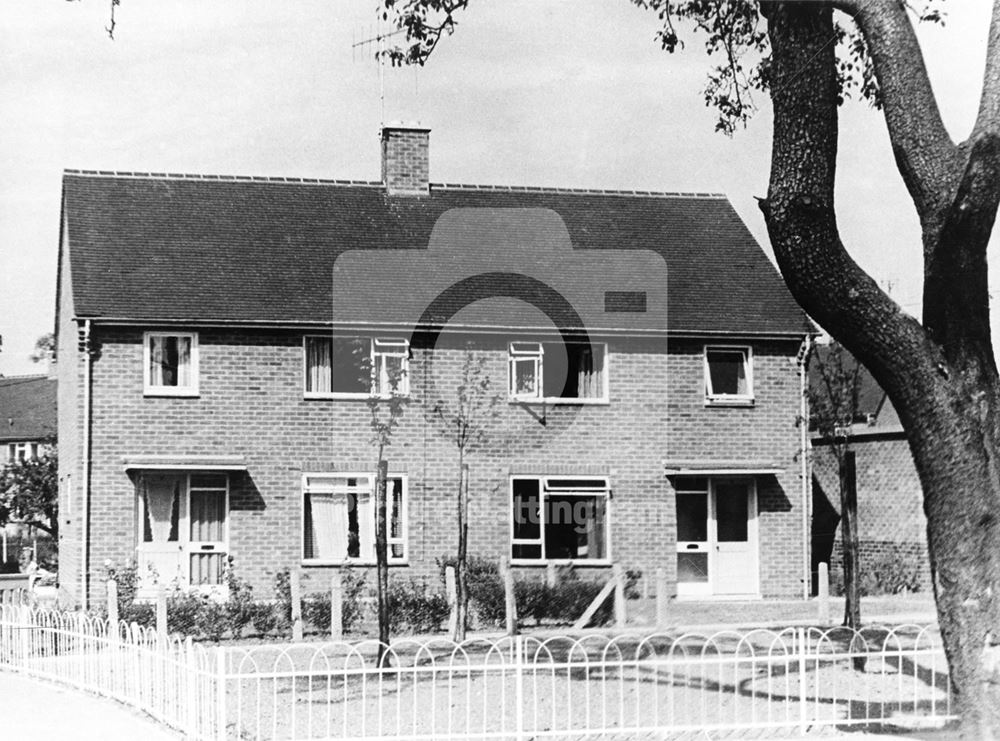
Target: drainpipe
{"type": "Point", "coordinates": [803, 358]}
{"type": "Point", "coordinates": [85, 345]}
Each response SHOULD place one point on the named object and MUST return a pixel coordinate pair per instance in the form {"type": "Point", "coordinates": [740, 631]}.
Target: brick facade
{"type": "Point", "coordinates": [251, 404]}
{"type": "Point", "coordinates": [891, 522]}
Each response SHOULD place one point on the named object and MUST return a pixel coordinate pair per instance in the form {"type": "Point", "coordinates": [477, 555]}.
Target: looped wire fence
{"type": "Point", "coordinates": [661, 685]}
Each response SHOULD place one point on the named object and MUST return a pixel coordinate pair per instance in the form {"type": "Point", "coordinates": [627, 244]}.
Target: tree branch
{"type": "Point", "coordinates": [925, 154]}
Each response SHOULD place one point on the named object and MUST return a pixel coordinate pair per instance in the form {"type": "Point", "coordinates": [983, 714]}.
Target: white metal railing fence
{"type": "Point", "coordinates": [507, 688]}
{"type": "Point", "coordinates": [173, 680]}
{"type": "Point", "coordinates": [595, 686]}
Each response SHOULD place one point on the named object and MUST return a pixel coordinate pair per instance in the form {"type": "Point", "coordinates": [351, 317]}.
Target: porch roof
{"type": "Point", "coordinates": [184, 463]}
{"type": "Point", "coordinates": [719, 467]}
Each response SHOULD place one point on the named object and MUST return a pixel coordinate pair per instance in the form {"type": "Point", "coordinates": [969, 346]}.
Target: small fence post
{"type": "Point", "coordinates": [824, 593]}
{"type": "Point", "coordinates": [296, 589]}
{"type": "Point", "coordinates": [519, 687]}
{"type": "Point", "coordinates": [220, 693]}
{"type": "Point", "coordinates": [452, 594]}
{"type": "Point", "coordinates": [161, 614]}
{"type": "Point", "coordinates": [336, 607]}
{"type": "Point", "coordinates": [620, 611]}
{"type": "Point", "coordinates": [191, 675]}
{"type": "Point", "coordinates": [550, 576]}
{"type": "Point", "coordinates": [113, 606]}
{"type": "Point", "coordinates": [510, 598]}
{"type": "Point", "coordinates": [803, 690]}
{"type": "Point", "coordinates": [662, 598]}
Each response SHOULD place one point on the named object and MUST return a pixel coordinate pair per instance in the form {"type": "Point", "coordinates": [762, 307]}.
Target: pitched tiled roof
{"type": "Point", "coordinates": [147, 247]}
{"type": "Point", "coordinates": [27, 408]}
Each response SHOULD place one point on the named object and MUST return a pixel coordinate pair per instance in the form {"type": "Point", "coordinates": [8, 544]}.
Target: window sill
{"type": "Point", "coordinates": [189, 393]}
{"type": "Point", "coordinates": [730, 401]}
{"type": "Point", "coordinates": [353, 562]}
{"type": "Point", "coordinates": [559, 402]}
{"type": "Point", "coordinates": [582, 562]}
{"type": "Point", "coordinates": [351, 397]}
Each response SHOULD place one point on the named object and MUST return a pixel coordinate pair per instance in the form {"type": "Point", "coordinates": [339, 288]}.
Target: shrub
{"type": "Point", "coordinates": [487, 606]}
{"type": "Point", "coordinates": [142, 613]}
{"type": "Point", "coordinates": [239, 604]}
{"type": "Point", "coordinates": [632, 579]}
{"type": "Point", "coordinates": [316, 606]}
{"type": "Point", "coordinates": [533, 600]}
{"type": "Point", "coordinates": [885, 573]}
{"type": "Point", "coordinates": [413, 606]}
{"type": "Point", "coordinates": [126, 579]}
{"type": "Point", "coordinates": [283, 593]}
{"type": "Point", "coordinates": [264, 617]}
{"type": "Point", "coordinates": [183, 612]}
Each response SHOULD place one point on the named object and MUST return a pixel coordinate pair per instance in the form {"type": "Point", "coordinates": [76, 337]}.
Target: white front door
{"type": "Point", "coordinates": [735, 515]}
{"type": "Point", "coordinates": [182, 531]}
{"type": "Point", "coordinates": [207, 537]}
{"type": "Point", "coordinates": [162, 501]}
{"type": "Point", "coordinates": [716, 537]}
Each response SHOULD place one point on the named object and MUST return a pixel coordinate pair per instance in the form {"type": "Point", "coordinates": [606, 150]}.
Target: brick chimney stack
{"type": "Point", "coordinates": [405, 159]}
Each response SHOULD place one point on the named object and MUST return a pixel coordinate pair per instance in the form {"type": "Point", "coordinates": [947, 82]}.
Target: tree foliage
{"type": "Point", "coordinates": [29, 492]}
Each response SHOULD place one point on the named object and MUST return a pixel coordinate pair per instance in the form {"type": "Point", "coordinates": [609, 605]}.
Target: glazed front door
{"type": "Point", "coordinates": [159, 548]}
{"type": "Point", "coordinates": [716, 537]}
{"type": "Point", "coordinates": [735, 567]}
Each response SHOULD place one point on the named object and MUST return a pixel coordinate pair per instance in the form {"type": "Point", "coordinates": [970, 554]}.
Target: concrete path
{"type": "Point", "coordinates": [31, 709]}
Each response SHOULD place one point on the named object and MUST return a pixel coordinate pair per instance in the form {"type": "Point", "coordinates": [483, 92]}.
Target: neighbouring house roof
{"type": "Point", "coordinates": [206, 249]}
{"type": "Point", "coordinates": [27, 408]}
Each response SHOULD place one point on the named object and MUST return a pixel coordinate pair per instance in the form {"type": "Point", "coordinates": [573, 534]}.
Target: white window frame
{"type": "Point", "coordinates": [394, 347]}
{"type": "Point", "coordinates": [543, 494]}
{"type": "Point", "coordinates": [713, 399]}
{"type": "Point", "coordinates": [389, 347]}
{"type": "Point", "coordinates": [403, 540]}
{"type": "Point", "coordinates": [148, 388]}
{"type": "Point", "coordinates": [521, 351]}
{"type": "Point", "coordinates": [26, 451]}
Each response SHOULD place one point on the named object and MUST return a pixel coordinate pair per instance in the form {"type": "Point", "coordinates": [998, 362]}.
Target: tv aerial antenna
{"type": "Point", "coordinates": [378, 42]}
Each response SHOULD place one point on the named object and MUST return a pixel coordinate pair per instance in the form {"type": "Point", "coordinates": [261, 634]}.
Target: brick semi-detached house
{"type": "Point", "coordinates": [212, 400]}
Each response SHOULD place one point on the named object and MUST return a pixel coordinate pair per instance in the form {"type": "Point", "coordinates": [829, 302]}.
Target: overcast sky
{"type": "Point", "coordinates": [527, 92]}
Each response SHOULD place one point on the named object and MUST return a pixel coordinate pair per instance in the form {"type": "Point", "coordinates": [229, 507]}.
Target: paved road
{"type": "Point", "coordinates": [32, 709]}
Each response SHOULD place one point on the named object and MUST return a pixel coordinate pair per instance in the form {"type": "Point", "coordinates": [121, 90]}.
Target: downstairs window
{"type": "Point", "coordinates": [559, 518]}
{"type": "Point", "coordinates": [339, 518]}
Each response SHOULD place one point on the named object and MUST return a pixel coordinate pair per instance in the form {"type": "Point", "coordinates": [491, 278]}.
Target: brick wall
{"type": "Point", "coordinates": [251, 404]}
{"type": "Point", "coordinates": [70, 374]}
{"type": "Point", "coordinates": [891, 522]}
{"type": "Point", "coordinates": [405, 160]}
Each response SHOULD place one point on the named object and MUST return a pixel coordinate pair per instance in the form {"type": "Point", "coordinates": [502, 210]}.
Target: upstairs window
{"type": "Point", "coordinates": [17, 452]}
{"type": "Point", "coordinates": [171, 362]}
{"type": "Point", "coordinates": [355, 367]}
{"type": "Point", "coordinates": [553, 371]}
{"type": "Point", "coordinates": [728, 375]}
{"type": "Point", "coordinates": [339, 518]}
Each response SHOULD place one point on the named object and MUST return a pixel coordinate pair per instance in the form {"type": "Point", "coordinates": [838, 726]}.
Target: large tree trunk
{"type": "Point", "coordinates": [941, 377]}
